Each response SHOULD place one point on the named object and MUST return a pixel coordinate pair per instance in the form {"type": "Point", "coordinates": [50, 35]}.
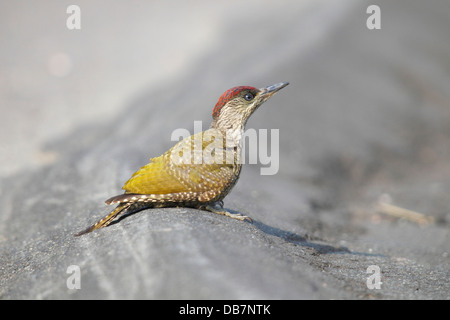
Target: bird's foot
{"type": "Point", "coordinates": [222, 211]}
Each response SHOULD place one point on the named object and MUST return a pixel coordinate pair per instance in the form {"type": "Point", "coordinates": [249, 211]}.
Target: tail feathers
{"type": "Point", "coordinates": [121, 198]}
{"type": "Point", "coordinates": [152, 198]}
{"type": "Point", "coordinates": [106, 220]}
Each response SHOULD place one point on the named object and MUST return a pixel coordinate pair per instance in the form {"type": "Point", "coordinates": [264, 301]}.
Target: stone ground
{"type": "Point", "coordinates": [363, 132]}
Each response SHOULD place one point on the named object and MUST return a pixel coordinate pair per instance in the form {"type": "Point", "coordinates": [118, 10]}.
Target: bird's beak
{"type": "Point", "coordinates": [267, 92]}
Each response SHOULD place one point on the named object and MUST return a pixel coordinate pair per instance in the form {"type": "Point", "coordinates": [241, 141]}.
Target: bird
{"type": "Point", "coordinates": [200, 170]}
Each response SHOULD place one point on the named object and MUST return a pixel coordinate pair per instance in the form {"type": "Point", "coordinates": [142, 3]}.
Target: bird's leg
{"type": "Point", "coordinates": [218, 208]}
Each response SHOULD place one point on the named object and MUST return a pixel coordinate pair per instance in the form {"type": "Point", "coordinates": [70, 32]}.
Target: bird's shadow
{"type": "Point", "coordinates": [305, 241]}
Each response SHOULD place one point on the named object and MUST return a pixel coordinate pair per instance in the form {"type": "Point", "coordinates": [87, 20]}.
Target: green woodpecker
{"type": "Point", "coordinates": [199, 171]}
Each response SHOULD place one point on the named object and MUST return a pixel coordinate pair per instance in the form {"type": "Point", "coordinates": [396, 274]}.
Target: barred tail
{"type": "Point", "coordinates": [122, 198]}
{"type": "Point", "coordinates": [106, 220]}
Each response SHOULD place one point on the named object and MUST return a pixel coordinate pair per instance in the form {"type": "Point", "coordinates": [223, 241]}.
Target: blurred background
{"type": "Point", "coordinates": [364, 140]}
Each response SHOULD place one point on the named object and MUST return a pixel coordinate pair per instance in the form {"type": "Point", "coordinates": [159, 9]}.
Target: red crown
{"type": "Point", "coordinates": [227, 96]}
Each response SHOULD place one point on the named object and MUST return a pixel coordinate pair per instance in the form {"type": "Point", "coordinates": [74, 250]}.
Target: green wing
{"type": "Point", "coordinates": [185, 168]}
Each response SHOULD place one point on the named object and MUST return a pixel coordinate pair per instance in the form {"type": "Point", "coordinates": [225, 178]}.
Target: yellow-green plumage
{"type": "Point", "coordinates": [187, 178]}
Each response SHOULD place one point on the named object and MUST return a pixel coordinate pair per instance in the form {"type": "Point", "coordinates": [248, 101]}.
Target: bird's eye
{"type": "Point", "coordinates": [248, 96]}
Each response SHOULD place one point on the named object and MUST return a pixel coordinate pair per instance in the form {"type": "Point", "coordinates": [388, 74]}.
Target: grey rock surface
{"type": "Point", "coordinates": [363, 122]}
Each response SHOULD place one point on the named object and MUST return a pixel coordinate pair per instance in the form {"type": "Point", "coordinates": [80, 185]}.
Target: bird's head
{"type": "Point", "coordinates": [237, 104]}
